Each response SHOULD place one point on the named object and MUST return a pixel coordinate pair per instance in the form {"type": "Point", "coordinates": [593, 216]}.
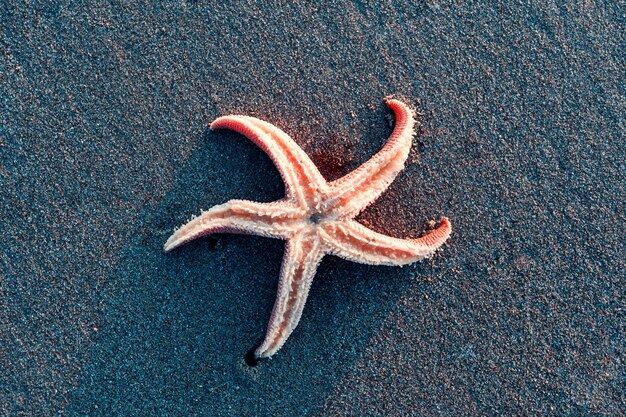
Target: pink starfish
{"type": "Point", "coordinates": [315, 217]}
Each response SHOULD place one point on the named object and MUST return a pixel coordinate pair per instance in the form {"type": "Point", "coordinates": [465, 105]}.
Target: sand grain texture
{"type": "Point", "coordinates": [105, 149]}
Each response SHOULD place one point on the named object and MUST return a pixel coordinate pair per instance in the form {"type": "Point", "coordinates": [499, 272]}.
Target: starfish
{"type": "Point", "coordinates": [315, 217]}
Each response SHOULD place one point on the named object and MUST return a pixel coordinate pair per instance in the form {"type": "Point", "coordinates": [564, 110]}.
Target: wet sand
{"type": "Point", "coordinates": [105, 150]}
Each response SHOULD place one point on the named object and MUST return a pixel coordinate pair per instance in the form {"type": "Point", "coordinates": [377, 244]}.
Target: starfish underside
{"type": "Point", "coordinates": [315, 217]}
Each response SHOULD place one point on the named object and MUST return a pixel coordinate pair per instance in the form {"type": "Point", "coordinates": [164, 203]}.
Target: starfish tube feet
{"type": "Point", "coordinates": [437, 237]}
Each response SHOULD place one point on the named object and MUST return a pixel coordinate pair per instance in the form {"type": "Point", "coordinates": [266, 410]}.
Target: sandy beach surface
{"type": "Point", "coordinates": [105, 150]}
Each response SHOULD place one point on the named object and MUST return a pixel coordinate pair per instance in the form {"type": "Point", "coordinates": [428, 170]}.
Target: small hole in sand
{"type": "Point", "coordinates": [250, 359]}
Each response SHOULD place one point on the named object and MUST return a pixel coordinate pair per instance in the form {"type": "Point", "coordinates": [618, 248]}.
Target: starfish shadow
{"type": "Point", "coordinates": [174, 328]}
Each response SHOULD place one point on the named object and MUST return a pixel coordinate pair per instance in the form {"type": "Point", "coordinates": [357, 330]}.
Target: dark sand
{"type": "Point", "coordinates": [104, 150]}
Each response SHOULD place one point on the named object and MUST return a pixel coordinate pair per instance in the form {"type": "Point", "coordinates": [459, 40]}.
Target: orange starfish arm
{"type": "Point", "coordinates": [355, 191]}
{"type": "Point", "coordinates": [239, 216]}
{"type": "Point", "coordinates": [301, 177]}
{"type": "Point", "coordinates": [355, 242]}
{"type": "Point", "coordinates": [302, 256]}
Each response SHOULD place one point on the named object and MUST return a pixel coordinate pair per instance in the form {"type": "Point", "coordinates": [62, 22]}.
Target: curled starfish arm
{"type": "Point", "coordinates": [239, 216]}
{"type": "Point", "coordinates": [355, 242]}
{"type": "Point", "coordinates": [302, 179]}
{"type": "Point", "coordinates": [302, 256]}
{"type": "Point", "coordinates": [365, 184]}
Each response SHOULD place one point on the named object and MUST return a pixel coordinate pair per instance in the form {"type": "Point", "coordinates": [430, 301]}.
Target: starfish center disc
{"type": "Point", "coordinates": [316, 218]}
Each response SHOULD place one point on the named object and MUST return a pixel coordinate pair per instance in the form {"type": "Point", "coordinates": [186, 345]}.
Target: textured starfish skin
{"type": "Point", "coordinates": [315, 217]}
